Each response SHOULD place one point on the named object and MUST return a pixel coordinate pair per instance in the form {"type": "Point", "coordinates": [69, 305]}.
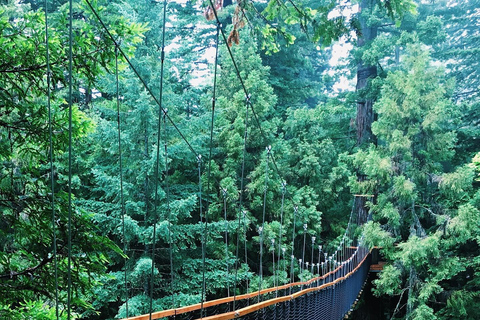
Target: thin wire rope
{"type": "Point", "coordinates": [167, 189]}
{"type": "Point", "coordinates": [312, 260]}
{"type": "Point", "coordinates": [140, 78]}
{"type": "Point", "coordinates": [260, 272]}
{"type": "Point", "coordinates": [280, 236]}
{"type": "Point", "coordinates": [245, 244]}
{"type": "Point", "coordinates": [302, 262]}
{"type": "Point", "coordinates": [273, 263]}
{"type": "Point", "coordinates": [154, 222]}
{"type": "Point", "coordinates": [50, 141]}
{"type": "Point", "coordinates": [137, 74]}
{"type": "Point", "coordinates": [122, 200]}
{"type": "Point", "coordinates": [157, 162]}
{"type": "Point", "coordinates": [240, 204]}
{"type": "Point", "coordinates": [205, 231]}
{"type": "Point", "coordinates": [226, 238]}
{"type": "Point", "coordinates": [70, 92]}
{"type": "Point", "coordinates": [204, 240]}
{"type": "Point", "coordinates": [263, 222]}
{"type": "Point", "coordinates": [292, 276]}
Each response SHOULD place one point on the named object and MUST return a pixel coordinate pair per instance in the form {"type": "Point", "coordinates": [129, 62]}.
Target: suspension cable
{"type": "Point", "coordinates": [122, 200]}
{"type": "Point", "coordinates": [295, 210]}
{"type": "Point", "coordinates": [240, 202]}
{"type": "Point", "coordinates": [244, 215]}
{"type": "Point", "coordinates": [154, 221]}
{"type": "Point", "coordinates": [204, 235]}
{"type": "Point", "coordinates": [205, 231]}
{"type": "Point", "coordinates": [303, 252]}
{"type": "Point", "coordinates": [70, 106]}
{"type": "Point", "coordinates": [273, 262]}
{"type": "Point", "coordinates": [260, 267]}
{"type": "Point", "coordinates": [157, 162]}
{"type": "Point", "coordinates": [312, 260]}
{"type": "Point", "coordinates": [262, 229]}
{"type": "Point", "coordinates": [52, 173]}
{"type": "Point", "coordinates": [280, 236]}
{"type": "Point", "coordinates": [224, 193]}
{"type": "Point", "coordinates": [167, 189]}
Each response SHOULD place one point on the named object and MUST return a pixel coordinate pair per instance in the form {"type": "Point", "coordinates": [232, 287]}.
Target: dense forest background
{"type": "Point", "coordinates": [397, 119]}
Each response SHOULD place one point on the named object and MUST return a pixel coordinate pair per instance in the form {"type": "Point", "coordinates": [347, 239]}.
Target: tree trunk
{"type": "Point", "coordinates": [365, 114]}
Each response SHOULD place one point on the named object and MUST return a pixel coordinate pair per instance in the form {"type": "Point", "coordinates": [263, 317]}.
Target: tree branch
{"type": "Point", "coordinates": [13, 274]}
{"type": "Point", "coordinates": [43, 66]}
{"type": "Point", "coordinates": [397, 308]}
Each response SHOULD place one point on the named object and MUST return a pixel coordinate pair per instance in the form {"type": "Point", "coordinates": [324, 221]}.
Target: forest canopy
{"type": "Point", "coordinates": [181, 145]}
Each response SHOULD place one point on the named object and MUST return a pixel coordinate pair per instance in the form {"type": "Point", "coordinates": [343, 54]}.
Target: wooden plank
{"type": "Point", "coordinates": [377, 267]}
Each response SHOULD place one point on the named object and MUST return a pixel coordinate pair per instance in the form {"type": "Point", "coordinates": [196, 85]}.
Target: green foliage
{"type": "Point", "coordinates": [421, 202]}
{"type": "Point", "coordinates": [465, 225]}
{"type": "Point", "coordinates": [34, 310]}
{"type": "Point", "coordinates": [375, 236]}
{"type": "Point", "coordinates": [423, 312]}
{"type": "Point", "coordinates": [390, 281]}
{"type": "Point", "coordinates": [324, 20]}
{"type": "Point", "coordinates": [426, 198]}
{"type": "Point", "coordinates": [457, 185]}
{"type": "Point", "coordinates": [462, 304]}
{"type": "Point", "coordinates": [27, 221]}
{"type": "Point", "coordinates": [475, 165]}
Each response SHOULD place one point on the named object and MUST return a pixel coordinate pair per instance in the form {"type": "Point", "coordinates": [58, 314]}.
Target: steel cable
{"type": "Point", "coordinates": [52, 172]}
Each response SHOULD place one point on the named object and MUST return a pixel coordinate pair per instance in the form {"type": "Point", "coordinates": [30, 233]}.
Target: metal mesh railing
{"type": "Point", "coordinates": [330, 303]}
{"type": "Point", "coordinates": [326, 297]}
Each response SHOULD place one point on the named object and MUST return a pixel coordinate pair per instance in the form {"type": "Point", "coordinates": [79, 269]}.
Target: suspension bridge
{"type": "Point", "coordinates": [336, 279]}
{"type": "Point", "coordinates": [324, 297]}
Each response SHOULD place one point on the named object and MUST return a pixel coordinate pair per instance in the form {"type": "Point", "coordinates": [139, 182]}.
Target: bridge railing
{"type": "Point", "coordinates": [329, 296]}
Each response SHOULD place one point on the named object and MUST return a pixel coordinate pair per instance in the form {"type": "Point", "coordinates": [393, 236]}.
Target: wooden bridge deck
{"type": "Point", "coordinates": [377, 267]}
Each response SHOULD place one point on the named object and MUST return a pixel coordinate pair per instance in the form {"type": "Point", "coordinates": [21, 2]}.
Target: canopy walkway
{"type": "Point", "coordinates": [326, 297]}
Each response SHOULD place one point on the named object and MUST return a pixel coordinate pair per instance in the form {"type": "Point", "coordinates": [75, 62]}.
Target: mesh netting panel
{"type": "Point", "coordinates": [331, 303]}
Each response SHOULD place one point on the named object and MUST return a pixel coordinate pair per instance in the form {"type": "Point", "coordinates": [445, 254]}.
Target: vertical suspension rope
{"type": "Point", "coordinates": [205, 231]}
{"type": "Point", "coordinates": [240, 202]}
{"type": "Point", "coordinates": [167, 191]}
{"type": "Point", "coordinates": [204, 236]}
{"type": "Point", "coordinates": [122, 201]}
{"type": "Point", "coordinates": [311, 256]}
{"type": "Point", "coordinates": [157, 162]}
{"type": "Point", "coordinates": [154, 220]}
{"type": "Point", "coordinates": [273, 262]}
{"type": "Point", "coordinates": [224, 192]}
{"type": "Point", "coordinates": [260, 272]}
{"type": "Point", "coordinates": [268, 149]}
{"type": "Point", "coordinates": [70, 102]}
{"type": "Point", "coordinates": [280, 236]}
{"type": "Point", "coordinates": [319, 258]}
{"type": "Point", "coordinates": [284, 265]}
{"type": "Point", "coordinates": [292, 276]}
{"type": "Point", "coordinates": [50, 141]}
{"type": "Point", "coordinates": [244, 215]}
{"type": "Point", "coordinates": [303, 253]}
